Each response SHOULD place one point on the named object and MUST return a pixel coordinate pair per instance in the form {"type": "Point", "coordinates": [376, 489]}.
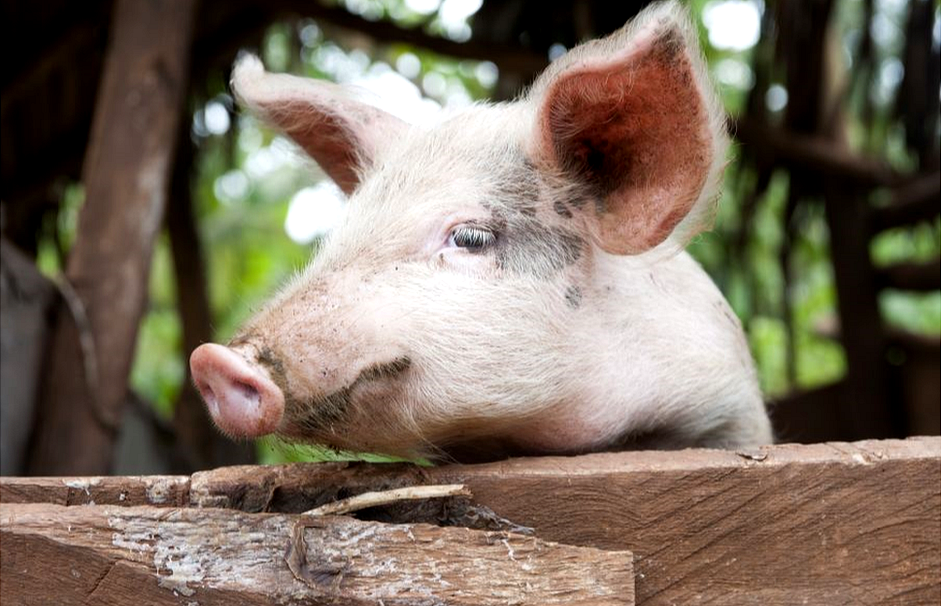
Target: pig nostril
{"type": "Point", "coordinates": [240, 397]}
{"type": "Point", "coordinates": [209, 397]}
{"type": "Point", "coordinates": [249, 392]}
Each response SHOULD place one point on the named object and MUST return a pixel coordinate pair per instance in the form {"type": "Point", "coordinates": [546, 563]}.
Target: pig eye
{"type": "Point", "coordinates": [471, 237]}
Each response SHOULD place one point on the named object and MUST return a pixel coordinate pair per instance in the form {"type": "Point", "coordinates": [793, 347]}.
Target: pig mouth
{"type": "Point", "coordinates": [329, 417]}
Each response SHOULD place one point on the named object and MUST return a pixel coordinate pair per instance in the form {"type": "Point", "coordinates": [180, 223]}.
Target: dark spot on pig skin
{"type": "Point", "coordinates": [573, 296]}
{"type": "Point", "coordinates": [328, 414]}
{"type": "Point", "coordinates": [729, 315]}
{"type": "Point", "coordinates": [524, 244]}
{"type": "Point", "coordinates": [264, 355]}
{"type": "Point", "coordinates": [267, 358]}
{"type": "Point", "coordinates": [561, 209]}
{"type": "Point", "coordinates": [668, 46]}
{"type": "Point", "coordinates": [385, 370]}
{"type": "Point", "coordinates": [578, 201]}
{"type": "Point", "coordinates": [593, 157]}
{"type": "Point", "coordinates": [529, 247]}
{"type": "Point", "coordinates": [520, 185]}
{"type": "Point", "coordinates": [313, 418]}
{"type": "Point", "coordinates": [242, 339]}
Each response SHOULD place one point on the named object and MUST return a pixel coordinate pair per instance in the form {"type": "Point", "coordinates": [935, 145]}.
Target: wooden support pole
{"type": "Point", "coordinates": [834, 523]}
{"type": "Point", "coordinates": [811, 152]}
{"type": "Point", "coordinates": [867, 411]}
{"type": "Point", "coordinates": [149, 555]}
{"type": "Point", "coordinates": [126, 176]}
{"type": "Point", "coordinates": [200, 443]}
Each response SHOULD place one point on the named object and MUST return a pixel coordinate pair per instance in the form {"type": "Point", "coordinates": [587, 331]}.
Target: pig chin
{"type": "Point", "coordinates": [348, 418]}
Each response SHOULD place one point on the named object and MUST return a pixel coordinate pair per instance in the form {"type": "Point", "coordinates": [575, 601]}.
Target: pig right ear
{"type": "Point", "coordinates": [343, 135]}
{"type": "Point", "coordinates": [633, 119]}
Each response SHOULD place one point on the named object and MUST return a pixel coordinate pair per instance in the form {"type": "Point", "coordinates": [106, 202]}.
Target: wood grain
{"type": "Point", "coordinates": [166, 491]}
{"type": "Point", "coordinates": [830, 523]}
{"type": "Point", "coordinates": [134, 555]}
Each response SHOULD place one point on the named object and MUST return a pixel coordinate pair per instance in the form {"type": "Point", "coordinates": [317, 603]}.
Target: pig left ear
{"type": "Point", "coordinates": [342, 134]}
{"type": "Point", "coordinates": [633, 118]}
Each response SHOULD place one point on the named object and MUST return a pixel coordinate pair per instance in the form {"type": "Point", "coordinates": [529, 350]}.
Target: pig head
{"type": "Point", "coordinates": [510, 280]}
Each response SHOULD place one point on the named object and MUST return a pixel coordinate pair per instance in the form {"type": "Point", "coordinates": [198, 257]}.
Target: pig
{"type": "Point", "coordinates": [509, 280]}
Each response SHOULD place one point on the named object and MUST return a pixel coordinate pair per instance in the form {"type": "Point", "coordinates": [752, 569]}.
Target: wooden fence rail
{"type": "Point", "coordinates": [821, 524]}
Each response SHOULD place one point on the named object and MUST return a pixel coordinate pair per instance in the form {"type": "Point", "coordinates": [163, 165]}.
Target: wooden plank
{"type": "Point", "coordinates": [919, 200]}
{"type": "Point", "coordinates": [148, 555]}
{"type": "Point", "coordinates": [910, 276]}
{"type": "Point", "coordinates": [163, 491]}
{"type": "Point", "coordinates": [822, 523]}
{"type": "Point", "coordinates": [126, 175]}
{"type": "Point", "coordinates": [811, 152]}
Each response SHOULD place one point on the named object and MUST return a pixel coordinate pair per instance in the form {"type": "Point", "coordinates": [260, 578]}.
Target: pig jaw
{"type": "Point", "coordinates": [328, 344]}
{"type": "Point", "coordinates": [365, 416]}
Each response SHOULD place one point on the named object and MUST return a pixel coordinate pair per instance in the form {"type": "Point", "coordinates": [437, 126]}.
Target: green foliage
{"type": "Point", "coordinates": [159, 368]}
{"type": "Point", "coordinates": [273, 450]}
{"type": "Point", "coordinates": [59, 231]}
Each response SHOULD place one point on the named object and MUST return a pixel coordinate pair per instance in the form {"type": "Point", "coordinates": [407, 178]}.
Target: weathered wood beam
{"type": "Point", "coordinates": [200, 443]}
{"type": "Point", "coordinates": [510, 58]}
{"type": "Point", "coordinates": [164, 491]}
{"type": "Point", "coordinates": [126, 176]}
{"type": "Point", "coordinates": [249, 22]}
{"type": "Point", "coordinates": [917, 201]}
{"type": "Point", "coordinates": [813, 153]}
{"type": "Point", "coordinates": [910, 276]}
{"type": "Point", "coordinates": [823, 523]}
{"type": "Point", "coordinates": [148, 555]}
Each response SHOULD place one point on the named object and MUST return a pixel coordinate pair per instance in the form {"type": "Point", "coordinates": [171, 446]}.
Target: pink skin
{"type": "Point", "coordinates": [242, 399]}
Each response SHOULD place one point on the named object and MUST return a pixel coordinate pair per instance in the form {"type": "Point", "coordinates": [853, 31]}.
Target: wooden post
{"type": "Point", "coordinates": [200, 443]}
{"type": "Point", "coordinates": [866, 409]}
{"type": "Point", "coordinates": [126, 176]}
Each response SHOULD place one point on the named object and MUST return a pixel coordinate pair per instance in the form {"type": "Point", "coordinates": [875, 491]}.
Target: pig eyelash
{"type": "Point", "coordinates": [471, 237]}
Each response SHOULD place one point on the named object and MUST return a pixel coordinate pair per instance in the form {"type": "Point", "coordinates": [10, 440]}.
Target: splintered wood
{"type": "Point", "coordinates": [149, 555]}
{"type": "Point", "coordinates": [388, 497]}
{"type": "Point", "coordinates": [831, 523]}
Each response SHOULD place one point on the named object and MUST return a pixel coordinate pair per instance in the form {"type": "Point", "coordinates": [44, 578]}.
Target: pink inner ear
{"type": "Point", "coordinates": [330, 140]}
{"type": "Point", "coordinates": [637, 131]}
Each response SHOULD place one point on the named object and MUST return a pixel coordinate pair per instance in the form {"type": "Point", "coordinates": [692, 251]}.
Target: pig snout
{"type": "Point", "coordinates": [242, 399]}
